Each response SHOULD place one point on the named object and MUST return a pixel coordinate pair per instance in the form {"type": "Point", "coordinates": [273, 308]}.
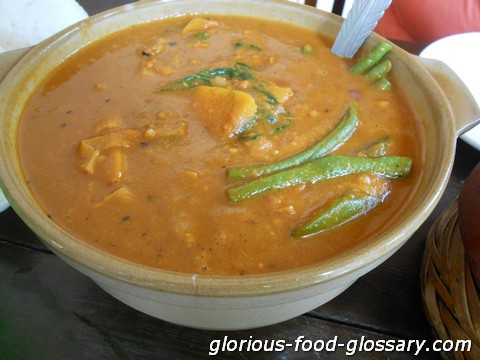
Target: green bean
{"type": "Point", "coordinates": [380, 70]}
{"type": "Point", "coordinates": [382, 84]}
{"type": "Point", "coordinates": [351, 204]}
{"type": "Point", "coordinates": [344, 209]}
{"type": "Point", "coordinates": [307, 49]}
{"type": "Point", "coordinates": [376, 149]}
{"type": "Point", "coordinates": [321, 169]}
{"type": "Point", "coordinates": [371, 59]}
{"type": "Point", "coordinates": [329, 143]}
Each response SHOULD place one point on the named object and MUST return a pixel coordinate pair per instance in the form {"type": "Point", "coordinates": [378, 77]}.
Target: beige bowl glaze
{"type": "Point", "coordinates": [232, 302]}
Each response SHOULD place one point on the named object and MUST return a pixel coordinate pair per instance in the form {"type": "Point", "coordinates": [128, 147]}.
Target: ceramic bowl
{"type": "Point", "coordinates": [233, 302]}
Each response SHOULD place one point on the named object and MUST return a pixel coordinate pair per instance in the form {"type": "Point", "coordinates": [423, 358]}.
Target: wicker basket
{"type": "Point", "coordinates": [450, 297]}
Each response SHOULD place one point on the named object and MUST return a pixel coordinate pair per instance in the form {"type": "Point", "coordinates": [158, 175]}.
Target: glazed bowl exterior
{"type": "Point", "coordinates": [232, 302]}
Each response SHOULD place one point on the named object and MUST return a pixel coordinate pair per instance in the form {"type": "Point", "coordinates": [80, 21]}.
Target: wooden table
{"type": "Point", "coordinates": [50, 311]}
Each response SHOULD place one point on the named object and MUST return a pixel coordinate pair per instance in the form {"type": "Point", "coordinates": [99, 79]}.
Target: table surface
{"type": "Point", "coordinates": [50, 311]}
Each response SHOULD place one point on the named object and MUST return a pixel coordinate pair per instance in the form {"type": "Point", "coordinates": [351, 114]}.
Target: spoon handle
{"type": "Point", "coordinates": [360, 21]}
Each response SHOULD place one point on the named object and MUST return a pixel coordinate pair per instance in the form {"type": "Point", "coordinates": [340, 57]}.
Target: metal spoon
{"type": "Point", "coordinates": [360, 21]}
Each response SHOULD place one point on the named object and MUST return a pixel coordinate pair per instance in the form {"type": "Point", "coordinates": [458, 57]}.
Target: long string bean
{"type": "Point", "coordinates": [344, 209]}
{"type": "Point", "coordinates": [321, 169]}
{"type": "Point", "coordinates": [373, 68]}
{"type": "Point", "coordinates": [371, 58]}
{"type": "Point", "coordinates": [329, 143]}
{"type": "Point", "coordinates": [353, 203]}
{"type": "Point", "coordinates": [380, 70]}
{"type": "Point", "coordinates": [376, 149]}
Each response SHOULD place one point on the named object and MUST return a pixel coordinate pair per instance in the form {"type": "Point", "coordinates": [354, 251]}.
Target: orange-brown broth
{"type": "Point", "coordinates": [178, 216]}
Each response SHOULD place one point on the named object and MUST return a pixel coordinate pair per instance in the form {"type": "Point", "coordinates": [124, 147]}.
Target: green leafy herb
{"type": "Point", "coordinates": [242, 44]}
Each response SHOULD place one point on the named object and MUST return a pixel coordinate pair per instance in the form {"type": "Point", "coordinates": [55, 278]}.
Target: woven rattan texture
{"type": "Point", "coordinates": [450, 296]}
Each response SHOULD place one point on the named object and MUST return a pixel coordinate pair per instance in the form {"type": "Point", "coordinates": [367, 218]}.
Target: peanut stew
{"type": "Point", "coordinates": [221, 145]}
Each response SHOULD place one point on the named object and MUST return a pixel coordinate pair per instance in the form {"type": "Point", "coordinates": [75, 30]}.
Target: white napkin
{"type": "Point", "coordinates": [460, 53]}
{"type": "Point", "coordinates": [27, 22]}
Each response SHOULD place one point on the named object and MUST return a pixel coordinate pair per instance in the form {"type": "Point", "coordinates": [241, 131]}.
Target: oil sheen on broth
{"type": "Point", "coordinates": [140, 172]}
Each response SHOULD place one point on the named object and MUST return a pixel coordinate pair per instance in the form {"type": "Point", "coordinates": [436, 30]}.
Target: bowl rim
{"type": "Point", "coordinates": [77, 252]}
